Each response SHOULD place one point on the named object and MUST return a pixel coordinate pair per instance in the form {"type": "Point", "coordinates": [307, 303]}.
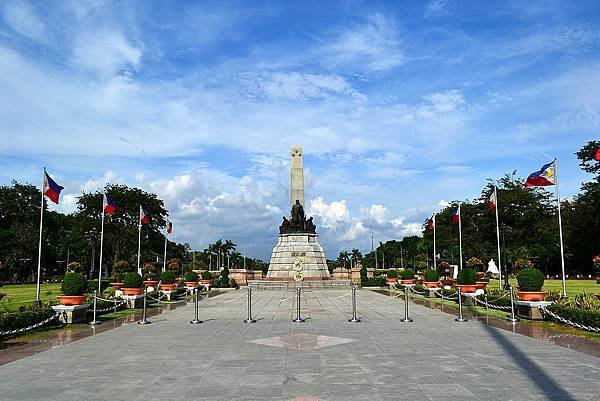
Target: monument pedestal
{"type": "Point", "coordinates": [298, 252]}
{"type": "Point", "coordinates": [71, 314]}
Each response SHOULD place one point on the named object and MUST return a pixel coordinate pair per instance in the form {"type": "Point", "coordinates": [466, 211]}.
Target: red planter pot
{"type": "Point", "coordinates": [392, 280]}
{"type": "Point", "coordinates": [481, 284]}
{"type": "Point", "coordinates": [447, 281]}
{"type": "Point", "coordinates": [191, 284]}
{"type": "Point", "coordinates": [132, 291]}
{"type": "Point", "coordinates": [69, 300]}
{"type": "Point", "coordinates": [168, 287]}
{"type": "Point", "coordinates": [431, 284]}
{"type": "Point", "coordinates": [207, 282]}
{"type": "Point", "coordinates": [118, 286]}
{"type": "Point", "coordinates": [467, 288]}
{"type": "Point", "coordinates": [411, 281]}
{"type": "Point", "coordinates": [532, 295]}
{"type": "Point", "coordinates": [150, 283]}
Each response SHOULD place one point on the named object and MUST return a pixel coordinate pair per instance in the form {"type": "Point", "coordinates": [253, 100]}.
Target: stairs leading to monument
{"type": "Point", "coordinates": [290, 285]}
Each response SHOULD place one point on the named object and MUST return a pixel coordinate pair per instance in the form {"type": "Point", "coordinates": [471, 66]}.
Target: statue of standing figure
{"type": "Point", "coordinates": [298, 217]}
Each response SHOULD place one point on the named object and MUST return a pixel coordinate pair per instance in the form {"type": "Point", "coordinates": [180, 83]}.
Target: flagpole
{"type": "Point", "coordinates": [562, 251]}
{"type": "Point", "coordinates": [101, 246]}
{"type": "Point", "coordinates": [165, 255]}
{"type": "Point", "coordinates": [460, 262]}
{"type": "Point", "coordinates": [39, 266]}
{"type": "Point", "coordinates": [139, 240]}
{"type": "Point", "coordinates": [498, 235]}
{"type": "Point", "coordinates": [434, 254]}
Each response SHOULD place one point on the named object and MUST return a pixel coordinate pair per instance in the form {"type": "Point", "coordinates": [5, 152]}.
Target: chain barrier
{"type": "Point", "coordinates": [568, 322]}
{"type": "Point", "coordinates": [32, 327]}
{"type": "Point", "coordinates": [415, 291]}
{"type": "Point", "coordinates": [169, 302]}
{"type": "Point", "coordinates": [110, 308]}
{"type": "Point", "coordinates": [491, 306]}
{"type": "Point", "coordinates": [450, 297]}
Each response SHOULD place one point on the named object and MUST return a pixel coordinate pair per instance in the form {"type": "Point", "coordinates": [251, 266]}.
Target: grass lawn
{"type": "Point", "coordinates": [24, 294]}
{"type": "Point", "coordinates": [574, 287]}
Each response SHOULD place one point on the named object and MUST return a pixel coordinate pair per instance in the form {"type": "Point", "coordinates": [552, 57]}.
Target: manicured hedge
{"type": "Point", "coordinates": [577, 315]}
{"type": "Point", "coordinates": [168, 277]}
{"type": "Point", "coordinates": [467, 276]}
{"type": "Point", "coordinates": [530, 279]}
{"type": "Point", "coordinates": [431, 275]}
{"type": "Point", "coordinates": [74, 284]}
{"type": "Point", "coordinates": [133, 280]}
{"type": "Point", "coordinates": [25, 317]}
{"type": "Point", "coordinates": [407, 274]}
{"type": "Point", "coordinates": [191, 276]}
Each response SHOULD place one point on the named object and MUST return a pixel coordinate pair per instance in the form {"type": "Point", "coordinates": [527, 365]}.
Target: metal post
{"type": "Point", "coordinates": [94, 321]}
{"type": "Point", "coordinates": [406, 318]}
{"type": "Point", "coordinates": [460, 317]}
{"type": "Point", "coordinates": [487, 309]}
{"type": "Point", "coordinates": [512, 317]}
{"type": "Point", "coordinates": [196, 320]}
{"type": "Point", "coordinates": [144, 320]}
{"type": "Point", "coordinates": [298, 319]}
{"type": "Point", "coordinates": [249, 320]}
{"type": "Point", "coordinates": [354, 319]}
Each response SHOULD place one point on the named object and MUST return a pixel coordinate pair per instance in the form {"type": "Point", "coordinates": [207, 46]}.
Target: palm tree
{"type": "Point", "coordinates": [356, 255]}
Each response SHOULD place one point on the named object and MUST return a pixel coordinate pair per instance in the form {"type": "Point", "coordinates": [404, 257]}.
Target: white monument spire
{"type": "Point", "coordinates": [296, 176]}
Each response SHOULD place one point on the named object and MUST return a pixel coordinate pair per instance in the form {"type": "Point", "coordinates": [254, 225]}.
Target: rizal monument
{"type": "Point", "coordinates": [298, 255]}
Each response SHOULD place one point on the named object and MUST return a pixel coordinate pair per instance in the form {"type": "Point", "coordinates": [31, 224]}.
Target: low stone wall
{"type": "Point", "coordinates": [242, 276]}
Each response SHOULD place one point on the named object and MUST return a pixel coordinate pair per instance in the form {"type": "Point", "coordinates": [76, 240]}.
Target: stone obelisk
{"type": "Point", "coordinates": [298, 254]}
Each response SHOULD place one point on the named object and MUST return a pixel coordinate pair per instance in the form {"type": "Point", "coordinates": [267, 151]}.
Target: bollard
{"type": "Point", "coordinates": [487, 309]}
{"type": "Point", "coordinates": [460, 317]}
{"type": "Point", "coordinates": [196, 320]}
{"type": "Point", "coordinates": [406, 318]}
{"type": "Point", "coordinates": [249, 320]}
{"type": "Point", "coordinates": [144, 320]}
{"type": "Point", "coordinates": [512, 317]}
{"type": "Point", "coordinates": [354, 319]}
{"type": "Point", "coordinates": [298, 319]}
{"type": "Point", "coordinates": [94, 321]}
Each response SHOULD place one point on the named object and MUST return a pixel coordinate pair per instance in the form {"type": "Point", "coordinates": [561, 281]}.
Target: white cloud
{"type": "Point", "coordinates": [331, 214]}
{"type": "Point", "coordinates": [446, 101]}
{"type": "Point", "coordinates": [355, 231]}
{"type": "Point", "coordinates": [377, 212]}
{"type": "Point", "coordinates": [106, 52]}
{"type": "Point", "coordinates": [454, 169]}
{"type": "Point", "coordinates": [23, 19]}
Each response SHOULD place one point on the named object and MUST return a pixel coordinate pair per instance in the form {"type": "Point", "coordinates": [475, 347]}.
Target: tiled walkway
{"type": "Point", "coordinates": [325, 358]}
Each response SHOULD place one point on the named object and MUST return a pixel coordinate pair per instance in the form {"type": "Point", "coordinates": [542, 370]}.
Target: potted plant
{"type": "Point", "coordinates": [207, 278]}
{"type": "Point", "coordinates": [74, 287]}
{"type": "Point", "coordinates": [191, 279]}
{"type": "Point", "coordinates": [119, 269]}
{"type": "Point", "coordinates": [167, 281]}
{"type": "Point", "coordinates": [132, 284]}
{"type": "Point", "coordinates": [150, 275]}
{"type": "Point", "coordinates": [431, 278]}
{"type": "Point", "coordinates": [467, 280]}
{"type": "Point", "coordinates": [392, 276]}
{"type": "Point", "coordinates": [531, 281]}
{"type": "Point", "coordinates": [407, 276]}
{"type": "Point", "coordinates": [444, 268]}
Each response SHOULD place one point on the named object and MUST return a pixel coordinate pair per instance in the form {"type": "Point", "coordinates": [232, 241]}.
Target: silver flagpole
{"type": "Point", "coordinates": [39, 266]}
{"type": "Point", "coordinates": [434, 254]}
{"type": "Point", "coordinates": [562, 251]}
{"type": "Point", "coordinates": [498, 234]}
{"type": "Point", "coordinates": [460, 262]}
{"type": "Point", "coordinates": [101, 245]}
{"type": "Point", "coordinates": [165, 255]}
{"type": "Point", "coordinates": [139, 240]}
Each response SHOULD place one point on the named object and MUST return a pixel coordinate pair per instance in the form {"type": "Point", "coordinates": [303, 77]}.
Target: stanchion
{"type": "Point", "coordinates": [144, 320]}
{"type": "Point", "coordinates": [354, 319]}
{"type": "Point", "coordinates": [487, 309]}
{"type": "Point", "coordinates": [460, 317]}
{"type": "Point", "coordinates": [249, 320]}
{"type": "Point", "coordinates": [196, 320]}
{"type": "Point", "coordinates": [298, 319]}
{"type": "Point", "coordinates": [512, 317]}
{"type": "Point", "coordinates": [94, 321]}
{"type": "Point", "coordinates": [406, 317]}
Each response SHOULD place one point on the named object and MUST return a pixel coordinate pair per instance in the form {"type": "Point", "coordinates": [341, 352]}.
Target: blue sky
{"type": "Point", "coordinates": [400, 106]}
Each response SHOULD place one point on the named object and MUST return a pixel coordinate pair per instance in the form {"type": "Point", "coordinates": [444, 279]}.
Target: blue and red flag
{"type": "Point", "coordinates": [544, 177]}
{"type": "Point", "coordinates": [169, 227]}
{"type": "Point", "coordinates": [456, 214]}
{"type": "Point", "coordinates": [109, 205]}
{"type": "Point", "coordinates": [51, 188]}
{"type": "Point", "coordinates": [597, 154]}
{"type": "Point", "coordinates": [144, 216]}
{"type": "Point", "coordinates": [492, 200]}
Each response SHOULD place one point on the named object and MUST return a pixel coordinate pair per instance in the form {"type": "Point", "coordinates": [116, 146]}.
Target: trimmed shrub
{"type": "Point", "coordinates": [191, 276]}
{"type": "Point", "coordinates": [206, 275]}
{"type": "Point", "coordinates": [132, 280]}
{"type": "Point", "coordinates": [393, 273]}
{"type": "Point", "coordinates": [467, 276]}
{"type": "Point", "coordinates": [530, 279]}
{"type": "Point", "coordinates": [378, 281]}
{"type": "Point", "coordinates": [407, 274]}
{"type": "Point", "coordinates": [74, 284]}
{"type": "Point", "coordinates": [576, 315]}
{"type": "Point", "coordinates": [431, 275]}
{"type": "Point", "coordinates": [24, 317]}
{"type": "Point", "coordinates": [168, 277]}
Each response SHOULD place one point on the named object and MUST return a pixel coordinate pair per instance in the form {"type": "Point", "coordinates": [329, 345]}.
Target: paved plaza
{"type": "Point", "coordinates": [325, 358]}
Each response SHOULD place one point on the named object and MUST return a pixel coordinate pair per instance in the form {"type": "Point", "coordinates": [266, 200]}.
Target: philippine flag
{"type": "Point", "coordinates": [51, 188]}
{"type": "Point", "coordinates": [144, 216]}
{"type": "Point", "coordinates": [169, 227]}
{"type": "Point", "coordinates": [109, 205]}
{"type": "Point", "coordinates": [597, 154]}
{"type": "Point", "coordinates": [544, 177]}
{"type": "Point", "coordinates": [430, 224]}
{"type": "Point", "coordinates": [492, 200]}
{"type": "Point", "coordinates": [456, 215]}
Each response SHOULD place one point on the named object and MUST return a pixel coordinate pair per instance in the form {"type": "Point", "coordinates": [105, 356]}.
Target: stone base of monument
{"type": "Point", "coordinates": [71, 314]}
{"type": "Point", "coordinates": [530, 310]}
{"type": "Point", "coordinates": [305, 284]}
{"type": "Point", "coordinates": [298, 253]}
{"type": "Point", "coordinates": [133, 301]}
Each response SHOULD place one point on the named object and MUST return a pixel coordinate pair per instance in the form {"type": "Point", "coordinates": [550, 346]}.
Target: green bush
{"type": "Point", "coordinates": [132, 280]}
{"type": "Point", "coordinates": [431, 275]}
{"type": "Point", "coordinates": [74, 284]}
{"type": "Point", "coordinates": [206, 275]}
{"type": "Point", "coordinates": [467, 276]}
{"type": "Point", "coordinates": [576, 315]}
{"type": "Point", "coordinates": [191, 276]}
{"type": "Point", "coordinates": [530, 279]}
{"type": "Point", "coordinates": [378, 281]}
{"type": "Point", "coordinates": [24, 317]}
{"type": "Point", "coordinates": [393, 273]}
{"type": "Point", "coordinates": [168, 277]}
{"type": "Point", "coordinates": [407, 274]}
{"type": "Point", "coordinates": [93, 285]}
